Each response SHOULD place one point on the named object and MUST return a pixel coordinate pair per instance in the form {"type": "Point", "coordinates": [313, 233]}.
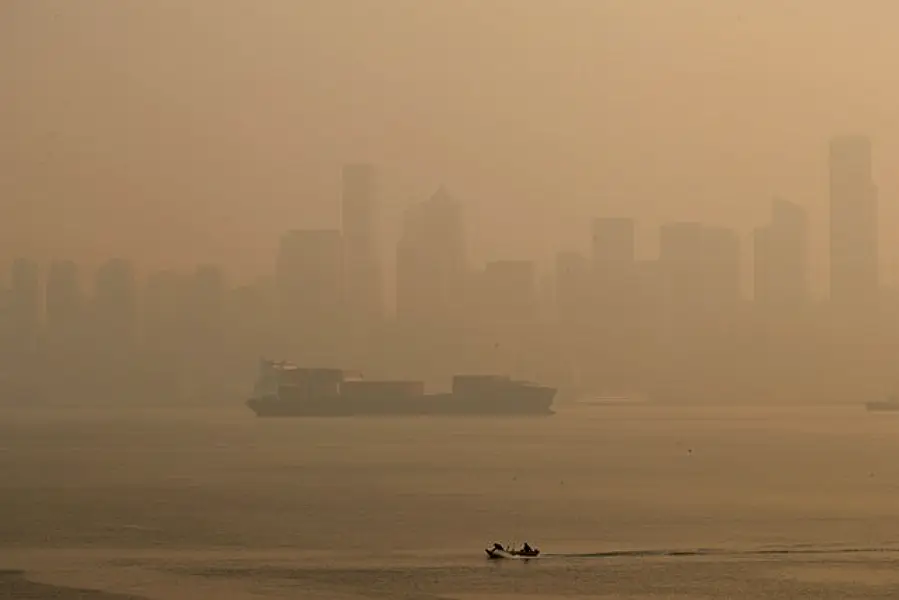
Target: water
{"type": "Point", "coordinates": [625, 502]}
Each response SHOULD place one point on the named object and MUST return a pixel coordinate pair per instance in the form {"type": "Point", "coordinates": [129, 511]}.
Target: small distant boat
{"type": "Point", "coordinates": [498, 551]}
{"type": "Point", "coordinates": [890, 404]}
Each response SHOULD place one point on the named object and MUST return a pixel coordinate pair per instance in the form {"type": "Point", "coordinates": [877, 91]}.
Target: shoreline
{"type": "Point", "coordinates": [14, 583]}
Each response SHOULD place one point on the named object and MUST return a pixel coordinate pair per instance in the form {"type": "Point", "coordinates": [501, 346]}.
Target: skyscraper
{"type": "Point", "coordinates": [359, 214]}
{"type": "Point", "coordinates": [115, 307]}
{"type": "Point", "coordinates": [614, 274]}
{"type": "Point", "coordinates": [25, 305]}
{"type": "Point", "coordinates": [854, 265]}
{"type": "Point", "coordinates": [310, 279]}
{"type": "Point", "coordinates": [780, 270]}
{"type": "Point", "coordinates": [431, 270]}
{"type": "Point", "coordinates": [509, 292]}
{"type": "Point", "coordinates": [63, 300]}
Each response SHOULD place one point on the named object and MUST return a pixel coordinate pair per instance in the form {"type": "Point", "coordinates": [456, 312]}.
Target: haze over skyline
{"type": "Point", "coordinates": [214, 126]}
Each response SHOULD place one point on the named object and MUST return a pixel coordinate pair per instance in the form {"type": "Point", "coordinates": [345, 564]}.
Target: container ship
{"type": "Point", "coordinates": [285, 390]}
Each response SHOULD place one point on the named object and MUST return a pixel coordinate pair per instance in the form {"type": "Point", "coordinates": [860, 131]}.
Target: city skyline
{"type": "Point", "coordinates": [369, 242]}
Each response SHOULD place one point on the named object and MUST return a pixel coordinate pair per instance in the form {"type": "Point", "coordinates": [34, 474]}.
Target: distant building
{"type": "Point", "coordinates": [431, 270]}
{"type": "Point", "coordinates": [854, 259]}
{"type": "Point", "coordinates": [310, 280]}
{"type": "Point", "coordinates": [509, 292]}
{"type": "Point", "coordinates": [115, 315]}
{"type": "Point", "coordinates": [572, 288]}
{"type": "Point", "coordinates": [24, 306]}
{"type": "Point", "coordinates": [63, 300]}
{"type": "Point", "coordinates": [721, 270]}
{"type": "Point", "coordinates": [360, 224]}
{"type": "Point", "coordinates": [700, 268]}
{"type": "Point", "coordinates": [780, 261]}
{"type": "Point", "coordinates": [614, 274]}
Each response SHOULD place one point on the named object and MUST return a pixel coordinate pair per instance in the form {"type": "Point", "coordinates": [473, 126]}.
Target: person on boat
{"type": "Point", "coordinates": [526, 548]}
{"type": "Point", "coordinates": [497, 546]}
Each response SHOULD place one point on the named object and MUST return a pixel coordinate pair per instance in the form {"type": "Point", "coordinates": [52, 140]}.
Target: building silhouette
{"type": "Point", "coordinates": [573, 297]}
{"type": "Point", "coordinates": [24, 311]}
{"type": "Point", "coordinates": [114, 309]}
{"type": "Point", "coordinates": [431, 270]}
{"type": "Point", "coordinates": [780, 263]}
{"type": "Point", "coordinates": [614, 249]}
{"type": "Point", "coordinates": [854, 264]}
{"type": "Point", "coordinates": [509, 293]}
{"type": "Point", "coordinates": [309, 275]}
{"type": "Point", "coordinates": [362, 262]}
{"type": "Point", "coordinates": [64, 305]}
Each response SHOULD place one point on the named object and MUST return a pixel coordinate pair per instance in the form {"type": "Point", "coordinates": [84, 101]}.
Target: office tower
{"type": "Point", "coordinates": [431, 272]}
{"type": "Point", "coordinates": [613, 267]}
{"type": "Point", "coordinates": [310, 280]}
{"type": "Point", "coordinates": [853, 223]}
{"type": "Point", "coordinates": [114, 308]}
{"type": "Point", "coordinates": [613, 241]}
{"type": "Point", "coordinates": [572, 289]}
{"type": "Point", "coordinates": [64, 302]}
{"type": "Point", "coordinates": [780, 269]}
{"type": "Point", "coordinates": [206, 302]}
{"type": "Point", "coordinates": [701, 271]}
{"type": "Point", "coordinates": [360, 214]}
{"type": "Point", "coordinates": [721, 276]}
{"type": "Point", "coordinates": [509, 293]}
{"type": "Point", "coordinates": [680, 261]}
{"type": "Point", "coordinates": [164, 305]}
{"type": "Point", "coordinates": [24, 306]}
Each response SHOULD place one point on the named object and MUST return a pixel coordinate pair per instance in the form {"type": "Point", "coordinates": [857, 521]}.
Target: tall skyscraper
{"type": "Point", "coordinates": [854, 261]}
{"type": "Point", "coordinates": [572, 289]}
{"type": "Point", "coordinates": [431, 270]}
{"type": "Point", "coordinates": [720, 292]}
{"type": "Point", "coordinates": [115, 307]}
{"type": "Point", "coordinates": [359, 210]}
{"type": "Point", "coordinates": [310, 280]}
{"type": "Point", "coordinates": [780, 270]}
{"type": "Point", "coordinates": [701, 274]}
{"type": "Point", "coordinates": [25, 305]}
{"type": "Point", "coordinates": [509, 292]}
{"type": "Point", "coordinates": [64, 304]}
{"type": "Point", "coordinates": [614, 272]}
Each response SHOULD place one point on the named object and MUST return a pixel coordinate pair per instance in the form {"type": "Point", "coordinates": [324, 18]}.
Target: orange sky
{"type": "Point", "coordinates": [176, 133]}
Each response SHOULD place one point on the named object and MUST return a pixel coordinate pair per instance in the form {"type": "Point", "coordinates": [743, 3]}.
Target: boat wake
{"type": "Point", "coordinates": [732, 552]}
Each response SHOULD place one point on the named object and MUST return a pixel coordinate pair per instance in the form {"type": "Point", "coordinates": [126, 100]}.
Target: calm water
{"type": "Point", "coordinates": [625, 502]}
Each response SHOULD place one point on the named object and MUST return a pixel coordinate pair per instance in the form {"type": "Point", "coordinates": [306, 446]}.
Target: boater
{"type": "Point", "coordinates": [526, 548]}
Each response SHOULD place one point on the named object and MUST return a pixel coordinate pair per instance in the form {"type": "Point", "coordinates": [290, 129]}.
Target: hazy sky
{"type": "Point", "coordinates": [175, 131]}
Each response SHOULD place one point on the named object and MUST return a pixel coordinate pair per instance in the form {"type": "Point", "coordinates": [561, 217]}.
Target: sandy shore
{"type": "Point", "coordinates": [15, 584]}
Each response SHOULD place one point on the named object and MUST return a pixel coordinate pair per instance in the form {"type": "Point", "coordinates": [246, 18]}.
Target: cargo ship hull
{"type": "Point", "coordinates": [326, 394]}
{"type": "Point", "coordinates": [431, 405]}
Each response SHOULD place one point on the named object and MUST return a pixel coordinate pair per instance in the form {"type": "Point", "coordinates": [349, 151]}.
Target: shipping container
{"type": "Point", "coordinates": [382, 389]}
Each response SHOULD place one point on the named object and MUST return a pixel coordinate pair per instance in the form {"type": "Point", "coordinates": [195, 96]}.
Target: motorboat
{"type": "Point", "coordinates": [497, 551]}
{"type": "Point", "coordinates": [890, 404]}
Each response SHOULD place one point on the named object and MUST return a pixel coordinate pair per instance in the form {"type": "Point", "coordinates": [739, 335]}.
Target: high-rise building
{"type": "Point", "coordinates": [572, 289]}
{"type": "Point", "coordinates": [431, 271]}
{"type": "Point", "coordinates": [64, 302]}
{"type": "Point", "coordinates": [362, 264]}
{"type": "Point", "coordinates": [509, 292]}
{"type": "Point", "coordinates": [721, 272]}
{"type": "Point", "coordinates": [853, 223]}
{"type": "Point", "coordinates": [24, 305]}
{"type": "Point", "coordinates": [614, 275]}
{"type": "Point", "coordinates": [614, 240]}
{"type": "Point", "coordinates": [780, 269]}
{"type": "Point", "coordinates": [115, 307]}
{"type": "Point", "coordinates": [701, 274]}
{"type": "Point", "coordinates": [310, 279]}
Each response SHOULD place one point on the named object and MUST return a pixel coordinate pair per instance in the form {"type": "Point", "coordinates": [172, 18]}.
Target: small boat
{"type": "Point", "coordinates": [499, 551]}
{"type": "Point", "coordinates": [890, 404]}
